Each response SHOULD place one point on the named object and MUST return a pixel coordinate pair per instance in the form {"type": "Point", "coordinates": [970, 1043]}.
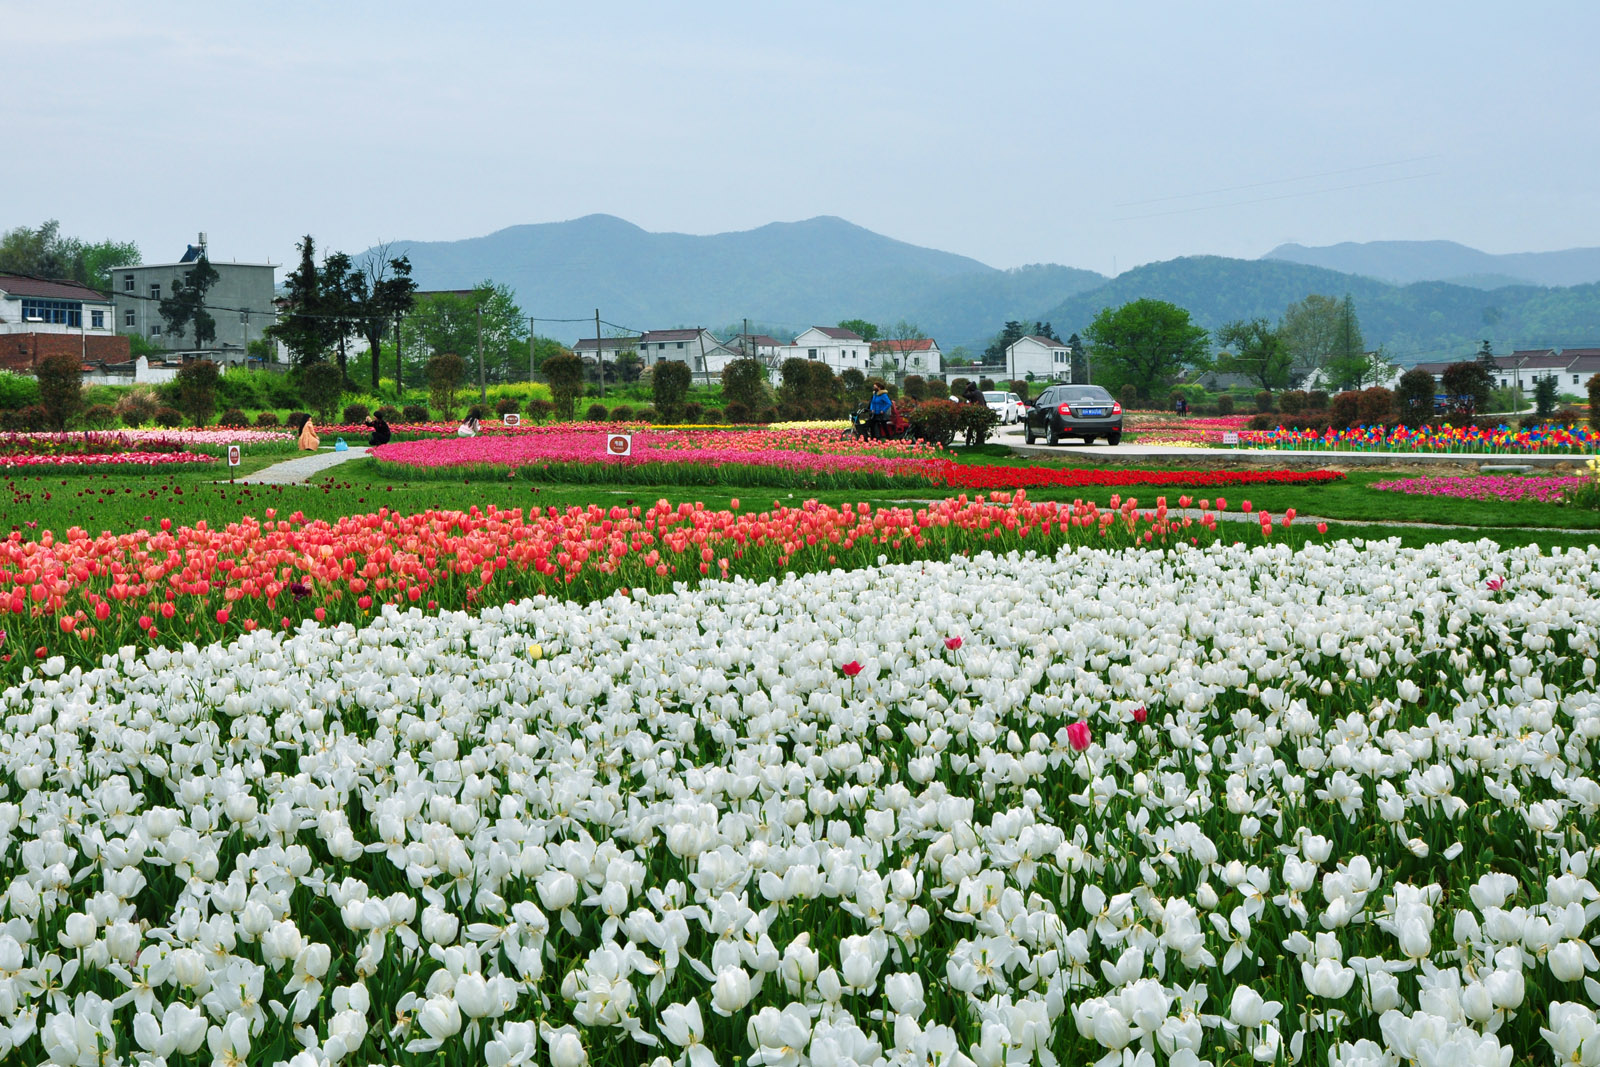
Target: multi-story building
{"type": "Point", "coordinates": [836, 346]}
{"type": "Point", "coordinates": [241, 302]}
{"type": "Point", "coordinates": [39, 317]}
{"type": "Point", "coordinates": [1033, 357]}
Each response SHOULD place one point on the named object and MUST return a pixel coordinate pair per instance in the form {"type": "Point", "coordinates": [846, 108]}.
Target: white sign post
{"type": "Point", "coordinates": [619, 444]}
{"type": "Point", "coordinates": [1230, 438]}
{"type": "Point", "coordinates": [513, 419]}
{"type": "Point", "coordinates": [233, 460]}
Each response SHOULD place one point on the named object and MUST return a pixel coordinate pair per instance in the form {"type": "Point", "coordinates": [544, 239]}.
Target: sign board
{"type": "Point", "coordinates": [1230, 438]}
{"type": "Point", "coordinates": [233, 455]}
{"type": "Point", "coordinates": [512, 419]}
{"type": "Point", "coordinates": [619, 444]}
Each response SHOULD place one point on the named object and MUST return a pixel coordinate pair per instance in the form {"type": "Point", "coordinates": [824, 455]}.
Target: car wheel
{"type": "Point", "coordinates": [1114, 437]}
{"type": "Point", "coordinates": [1052, 438]}
{"type": "Point", "coordinates": [1088, 438]}
{"type": "Point", "coordinates": [1027, 433]}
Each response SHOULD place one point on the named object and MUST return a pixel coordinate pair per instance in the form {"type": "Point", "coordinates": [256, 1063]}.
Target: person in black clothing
{"type": "Point", "coordinates": [972, 394]}
{"type": "Point", "coordinates": [380, 429]}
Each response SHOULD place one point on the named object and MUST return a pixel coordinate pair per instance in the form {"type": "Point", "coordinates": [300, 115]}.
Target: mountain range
{"type": "Point", "coordinates": [1420, 300]}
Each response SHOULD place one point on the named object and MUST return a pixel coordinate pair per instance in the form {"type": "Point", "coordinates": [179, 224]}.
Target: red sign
{"type": "Point", "coordinates": [233, 455]}
{"type": "Point", "coordinates": [619, 444]}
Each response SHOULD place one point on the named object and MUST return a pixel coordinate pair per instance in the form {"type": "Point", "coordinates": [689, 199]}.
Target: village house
{"type": "Point", "coordinates": [1033, 357]}
{"type": "Point", "coordinates": [40, 317]}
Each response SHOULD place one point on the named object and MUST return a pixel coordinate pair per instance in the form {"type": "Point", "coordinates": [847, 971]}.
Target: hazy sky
{"type": "Point", "coordinates": [1091, 135]}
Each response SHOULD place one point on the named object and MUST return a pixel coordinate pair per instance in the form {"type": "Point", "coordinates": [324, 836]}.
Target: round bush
{"type": "Point", "coordinates": [622, 413]}
{"type": "Point", "coordinates": [267, 420]}
{"type": "Point", "coordinates": [1224, 404]}
{"type": "Point", "coordinates": [507, 406]}
{"type": "Point", "coordinates": [540, 410]}
{"type": "Point", "coordinates": [738, 413]}
{"type": "Point", "coordinates": [354, 414]}
{"type": "Point", "coordinates": [711, 415]}
{"type": "Point", "coordinates": [168, 418]}
{"type": "Point", "coordinates": [414, 413]}
{"type": "Point", "coordinates": [99, 417]}
{"type": "Point", "coordinates": [388, 413]}
{"type": "Point", "coordinates": [693, 412]}
{"type": "Point", "coordinates": [596, 413]}
{"type": "Point", "coordinates": [646, 414]}
{"type": "Point", "coordinates": [1130, 397]}
{"type": "Point", "coordinates": [136, 408]}
{"type": "Point", "coordinates": [767, 415]}
{"type": "Point", "coordinates": [233, 419]}
{"type": "Point", "coordinates": [1264, 402]}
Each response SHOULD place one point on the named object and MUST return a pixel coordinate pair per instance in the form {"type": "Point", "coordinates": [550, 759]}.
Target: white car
{"type": "Point", "coordinates": [1007, 405]}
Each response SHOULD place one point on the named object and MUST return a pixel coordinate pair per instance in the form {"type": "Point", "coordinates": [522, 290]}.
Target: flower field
{"type": "Point", "coordinates": [1548, 439]}
{"type": "Point", "coordinates": [1136, 806]}
{"type": "Point", "coordinates": [1545, 489]}
{"type": "Point", "coordinates": [86, 597]}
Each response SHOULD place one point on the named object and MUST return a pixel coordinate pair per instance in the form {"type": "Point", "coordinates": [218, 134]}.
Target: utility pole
{"type": "Point", "coordinates": [599, 354]}
{"type": "Point", "coordinates": [531, 368]}
{"type": "Point", "coordinates": [399, 362]}
{"type": "Point", "coordinates": [701, 330]}
{"type": "Point", "coordinates": [745, 349]}
{"type": "Point", "coordinates": [483, 389]}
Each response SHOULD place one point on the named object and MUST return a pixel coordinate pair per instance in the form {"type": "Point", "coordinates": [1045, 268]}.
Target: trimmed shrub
{"type": "Point", "coordinates": [986, 384]}
{"type": "Point", "coordinates": [1292, 401]}
{"type": "Point", "coordinates": [622, 413]}
{"type": "Point", "coordinates": [767, 415]}
{"type": "Point", "coordinates": [916, 387]}
{"type": "Point", "coordinates": [354, 414]}
{"type": "Point", "coordinates": [744, 381]}
{"type": "Point", "coordinates": [197, 390]}
{"type": "Point", "coordinates": [564, 372]}
{"type": "Point", "coordinates": [1375, 406]}
{"type": "Point", "coordinates": [693, 412]}
{"type": "Point", "coordinates": [1345, 410]}
{"type": "Point", "coordinates": [596, 413]}
{"type": "Point", "coordinates": [738, 414]}
{"type": "Point", "coordinates": [267, 420]}
{"type": "Point", "coordinates": [168, 418]}
{"type": "Point", "coordinates": [29, 419]}
{"type": "Point", "coordinates": [711, 415]}
{"type": "Point", "coordinates": [60, 388]}
{"type": "Point", "coordinates": [1594, 402]}
{"type": "Point", "coordinates": [99, 417]}
{"type": "Point", "coordinates": [1224, 402]}
{"type": "Point", "coordinates": [540, 410]}
{"type": "Point", "coordinates": [958, 387]}
{"type": "Point", "coordinates": [646, 414]}
{"type": "Point", "coordinates": [669, 385]}
{"type": "Point", "coordinates": [1316, 400]}
{"type": "Point", "coordinates": [1264, 401]}
{"type": "Point", "coordinates": [136, 408]}
{"type": "Point", "coordinates": [233, 419]}
{"type": "Point", "coordinates": [414, 413]}
{"type": "Point", "coordinates": [1413, 401]}
{"type": "Point", "coordinates": [444, 373]}
{"type": "Point", "coordinates": [1130, 399]}
{"type": "Point", "coordinates": [938, 421]}
{"type": "Point", "coordinates": [321, 386]}
{"type": "Point", "coordinates": [507, 406]}
{"type": "Point", "coordinates": [388, 413]}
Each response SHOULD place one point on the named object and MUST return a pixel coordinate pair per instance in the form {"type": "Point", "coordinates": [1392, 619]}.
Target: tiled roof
{"type": "Point", "coordinates": [915, 344]}
{"type": "Point", "coordinates": [1581, 353]}
{"type": "Point", "coordinates": [22, 285]}
{"type": "Point", "coordinates": [1048, 342]}
{"type": "Point", "coordinates": [838, 333]}
{"type": "Point", "coordinates": [670, 335]}
{"type": "Point", "coordinates": [1545, 359]}
{"type": "Point", "coordinates": [761, 340]}
{"type": "Point", "coordinates": [587, 344]}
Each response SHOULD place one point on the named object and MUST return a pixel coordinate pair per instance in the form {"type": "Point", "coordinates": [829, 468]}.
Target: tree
{"type": "Point", "coordinates": [43, 253]}
{"type": "Point", "coordinates": [1145, 343]}
{"type": "Point", "coordinates": [1080, 360]}
{"type": "Point", "coordinates": [187, 304]}
{"type": "Point", "coordinates": [744, 381]}
{"type": "Point", "coordinates": [1467, 384]}
{"type": "Point", "coordinates": [60, 377]}
{"type": "Point", "coordinates": [894, 348]}
{"type": "Point", "coordinates": [1044, 329]}
{"type": "Point", "coordinates": [445, 373]}
{"type": "Point", "coordinates": [448, 322]}
{"type": "Point", "coordinates": [197, 391]}
{"type": "Point", "coordinates": [1413, 401]}
{"type": "Point", "coordinates": [867, 331]}
{"type": "Point", "coordinates": [669, 386]}
{"type": "Point", "coordinates": [308, 326]}
{"type": "Point", "coordinates": [565, 374]}
{"type": "Point", "coordinates": [1256, 351]}
{"type": "Point", "coordinates": [380, 292]}
{"type": "Point", "coordinates": [996, 352]}
{"type": "Point", "coordinates": [1544, 395]}
{"type": "Point", "coordinates": [1310, 330]}
{"type": "Point", "coordinates": [321, 386]}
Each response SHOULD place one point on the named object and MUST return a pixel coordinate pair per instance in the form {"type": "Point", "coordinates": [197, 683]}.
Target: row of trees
{"type": "Point", "coordinates": [325, 305]}
{"type": "Point", "coordinates": [43, 252]}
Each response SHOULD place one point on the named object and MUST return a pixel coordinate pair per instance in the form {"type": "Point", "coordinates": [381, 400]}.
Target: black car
{"type": "Point", "coordinates": [1084, 411]}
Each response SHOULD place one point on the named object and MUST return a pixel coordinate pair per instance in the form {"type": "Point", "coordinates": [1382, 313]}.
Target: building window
{"type": "Point", "coordinates": [127, 318]}
{"type": "Point", "coordinates": [155, 290]}
{"type": "Point", "coordinates": [127, 283]}
{"type": "Point", "coordinates": [1574, 379]}
{"type": "Point", "coordinates": [58, 312]}
{"type": "Point", "coordinates": [97, 320]}
{"type": "Point", "coordinates": [155, 329]}
{"type": "Point", "coordinates": [811, 353]}
{"type": "Point", "coordinates": [680, 345]}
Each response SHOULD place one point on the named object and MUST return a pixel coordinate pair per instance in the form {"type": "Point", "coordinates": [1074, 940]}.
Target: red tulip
{"type": "Point", "coordinates": [1140, 714]}
{"type": "Point", "coordinates": [952, 643]}
{"type": "Point", "coordinates": [851, 669]}
{"type": "Point", "coordinates": [1078, 735]}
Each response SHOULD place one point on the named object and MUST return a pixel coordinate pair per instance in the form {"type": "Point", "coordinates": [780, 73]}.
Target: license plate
{"type": "Point", "coordinates": [1092, 413]}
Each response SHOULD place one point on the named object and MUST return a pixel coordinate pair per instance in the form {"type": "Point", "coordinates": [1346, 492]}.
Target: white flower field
{"type": "Point", "coordinates": [1222, 805]}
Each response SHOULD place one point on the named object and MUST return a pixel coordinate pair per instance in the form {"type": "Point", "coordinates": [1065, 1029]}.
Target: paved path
{"type": "Point", "coordinates": [302, 470]}
{"type": "Point", "coordinates": [1278, 457]}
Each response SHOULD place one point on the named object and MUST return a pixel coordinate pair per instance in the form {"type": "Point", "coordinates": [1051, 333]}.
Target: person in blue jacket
{"type": "Point", "coordinates": [878, 410]}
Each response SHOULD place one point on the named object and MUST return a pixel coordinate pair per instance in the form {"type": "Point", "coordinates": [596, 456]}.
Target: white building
{"type": "Point", "coordinates": [917, 355]}
{"type": "Point", "coordinates": [757, 346]}
{"type": "Point", "coordinates": [836, 346]}
{"type": "Point", "coordinates": [1035, 357]}
{"type": "Point", "coordinates": [610, 348]}
{"type": "Point", "coordinates": [698, 347]}
{"type": "Point", "coordinates": [1570, 367]}
{"type": "Point", "coordinates": [35, 305]}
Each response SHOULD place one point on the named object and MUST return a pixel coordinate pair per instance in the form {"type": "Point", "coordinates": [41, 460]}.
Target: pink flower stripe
{"type": "Point", "coordinates": [124, 439]}
{"type": "Point", "coordinates": [102, 459]}
{"type": "Point", "coordinates": [1540, 489]}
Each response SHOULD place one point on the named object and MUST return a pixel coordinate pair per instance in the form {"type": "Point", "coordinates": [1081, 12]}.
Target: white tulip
{"type": "Point", "coordinates": [731, 991]}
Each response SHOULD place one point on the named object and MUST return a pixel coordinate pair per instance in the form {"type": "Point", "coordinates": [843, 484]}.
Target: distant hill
{"type": "Point", "coordinates": [1422, 321]}
{"type": "Point", "coordinates": [787, 274]}
{"type": "Point", "coordinates": [1404, 262]}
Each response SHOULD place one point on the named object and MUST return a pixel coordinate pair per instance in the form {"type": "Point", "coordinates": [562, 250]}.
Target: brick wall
{"type": "Point", "coordinates": [20, 351]}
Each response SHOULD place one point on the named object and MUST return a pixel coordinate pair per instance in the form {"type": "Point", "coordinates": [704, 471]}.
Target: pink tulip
{"type": "Point", "coordinates": [1078, 735]}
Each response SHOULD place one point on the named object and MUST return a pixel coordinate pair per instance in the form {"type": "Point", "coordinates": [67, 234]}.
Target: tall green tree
{"type": "Point", "coordinates": [1311, 330]}
{"type": "Point", "coordinates": [996, 352]}
{"type": "Point", "coordinates": [448, 322]}
{"type": "Point", "coordinates": [868, 331]}
{"type": "Point", "coordinates": [893, 347]}
{"type": "Point", "coordinates": [44, 252]}
{"type": "Point", "coordinates": [187, 304]}
{"type": "Point", "coordinates": [380, 291]}
{"type": "Point", "coordinates": [1254, 349]}
{"type": "Point", "coordinates": [1080, 359]}
{"type": "Point", "coordinates": [309, 325]}
{"type": "Point", "coordinates": [1145, 344]}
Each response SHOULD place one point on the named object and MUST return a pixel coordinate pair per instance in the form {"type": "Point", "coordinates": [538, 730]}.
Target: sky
{"type": "Point", "coordinates": [1097, 136]}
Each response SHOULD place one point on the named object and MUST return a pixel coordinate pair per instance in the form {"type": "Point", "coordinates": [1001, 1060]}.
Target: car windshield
{"type": "Point", "coordinates": [994, 398]}
{"type": "Point", "coordinates": [1085, 394]}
